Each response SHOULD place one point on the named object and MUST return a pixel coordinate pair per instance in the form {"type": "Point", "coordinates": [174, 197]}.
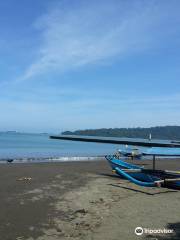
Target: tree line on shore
{"type": "Point", "coordinates": [161, 132]}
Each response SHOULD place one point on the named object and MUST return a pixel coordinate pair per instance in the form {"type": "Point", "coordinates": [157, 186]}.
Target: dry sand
{"type": "Point", "coordinates": [82, 200]}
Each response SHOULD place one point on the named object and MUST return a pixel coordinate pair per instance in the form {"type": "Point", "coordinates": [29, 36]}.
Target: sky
{"type": "Point", "coordinates": [80, 64]}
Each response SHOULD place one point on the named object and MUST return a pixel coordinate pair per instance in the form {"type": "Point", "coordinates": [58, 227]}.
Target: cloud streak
{"type": "Point", "coordinates": [88, 113]}
{"type": "Point", "coordinates": [95, 32]}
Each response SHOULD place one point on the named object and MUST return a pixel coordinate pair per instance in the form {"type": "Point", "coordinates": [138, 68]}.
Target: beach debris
{"type": "Point", "coordinates": [21, 202]}
{"type": "Point", "coordinates": [31, 228]}
{"type": "Point", "coordinates": [24, 179]}
{"type": "Point", "coordinates": [82, 211]}
{"type": "Point", "coordinates": [20, 238]}
{"type": "Point", "coordinates": [58, 229]}
{"type": "Point", "coordinates": [100, 200]}
{"type": "Point", "coordinates": [78, 222]}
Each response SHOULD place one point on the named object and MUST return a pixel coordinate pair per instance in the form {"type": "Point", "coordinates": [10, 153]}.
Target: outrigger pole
{"type": "Point", "coordinates": [154, 162]}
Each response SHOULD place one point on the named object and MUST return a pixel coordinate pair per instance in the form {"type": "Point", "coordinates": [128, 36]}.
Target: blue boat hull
{"type": "Point", "coordinates": [141, 176]}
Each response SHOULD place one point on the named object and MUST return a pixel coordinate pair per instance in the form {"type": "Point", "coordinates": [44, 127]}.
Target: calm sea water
{"type": "Point", "coordinates": [23, 145]}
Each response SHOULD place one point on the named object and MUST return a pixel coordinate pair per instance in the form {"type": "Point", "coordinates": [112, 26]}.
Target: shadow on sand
{"type": "Point", "coordinates": [165, 190]}
{"type": "Point", "coordinates": [144, 192]}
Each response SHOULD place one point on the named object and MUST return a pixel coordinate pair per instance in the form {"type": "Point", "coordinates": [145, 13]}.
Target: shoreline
{"type": "Point", "coordinates": [60, 159]}
{"type": "Point", "coordinates": [51, 159]}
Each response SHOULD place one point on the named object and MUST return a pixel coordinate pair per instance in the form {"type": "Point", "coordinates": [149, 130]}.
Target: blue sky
{"type": "Point", "coordinates": [69, 65]}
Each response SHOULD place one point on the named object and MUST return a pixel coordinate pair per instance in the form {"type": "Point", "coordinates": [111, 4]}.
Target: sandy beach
{"type": "Point", "coordinates": [83, 200]}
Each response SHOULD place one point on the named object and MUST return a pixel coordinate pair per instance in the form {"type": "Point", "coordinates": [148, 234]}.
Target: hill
{"type": "Point", "coordinates": [162, 132]}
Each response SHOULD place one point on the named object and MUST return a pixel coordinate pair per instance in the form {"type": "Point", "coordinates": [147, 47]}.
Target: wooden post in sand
{"type": "Point", "coordinates": [154, 162]}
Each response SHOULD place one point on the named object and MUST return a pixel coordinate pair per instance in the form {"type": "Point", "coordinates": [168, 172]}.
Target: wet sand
{"type": "Point", "coordinates": [82, 200]}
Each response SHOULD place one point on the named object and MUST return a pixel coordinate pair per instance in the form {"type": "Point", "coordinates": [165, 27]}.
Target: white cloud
{"type": "Point", "coordinates": [87, 113]}
{"type": "Point", "coordinates": [91, 32]}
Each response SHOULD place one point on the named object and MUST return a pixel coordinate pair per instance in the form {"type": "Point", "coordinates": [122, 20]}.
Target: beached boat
{"type": "Point", "coordinates": [144, 177]}
{"type": "Point", "coordinates": [134, 173]}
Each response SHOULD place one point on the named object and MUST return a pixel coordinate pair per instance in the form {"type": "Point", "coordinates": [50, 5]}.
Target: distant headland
{"type": "Point", "coordinates": [160, 132]}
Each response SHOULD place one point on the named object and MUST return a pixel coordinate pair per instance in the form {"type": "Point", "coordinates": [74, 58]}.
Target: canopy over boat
{"type": "Point", "coordinates": [159, 151]}
{"type": "Point", "coordinates": [149, 151]}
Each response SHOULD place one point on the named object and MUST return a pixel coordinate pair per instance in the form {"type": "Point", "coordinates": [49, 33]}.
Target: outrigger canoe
{"type": "Point", "coordinates": [144, 177]}
{"type": "Point", "coordinates": [134, 173]}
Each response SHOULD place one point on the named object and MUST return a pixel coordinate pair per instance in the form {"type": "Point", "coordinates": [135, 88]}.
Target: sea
{"type": "Point", "coordinates": [25, 147]}
{"type": "Point", "coordinates": [33, 147]}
